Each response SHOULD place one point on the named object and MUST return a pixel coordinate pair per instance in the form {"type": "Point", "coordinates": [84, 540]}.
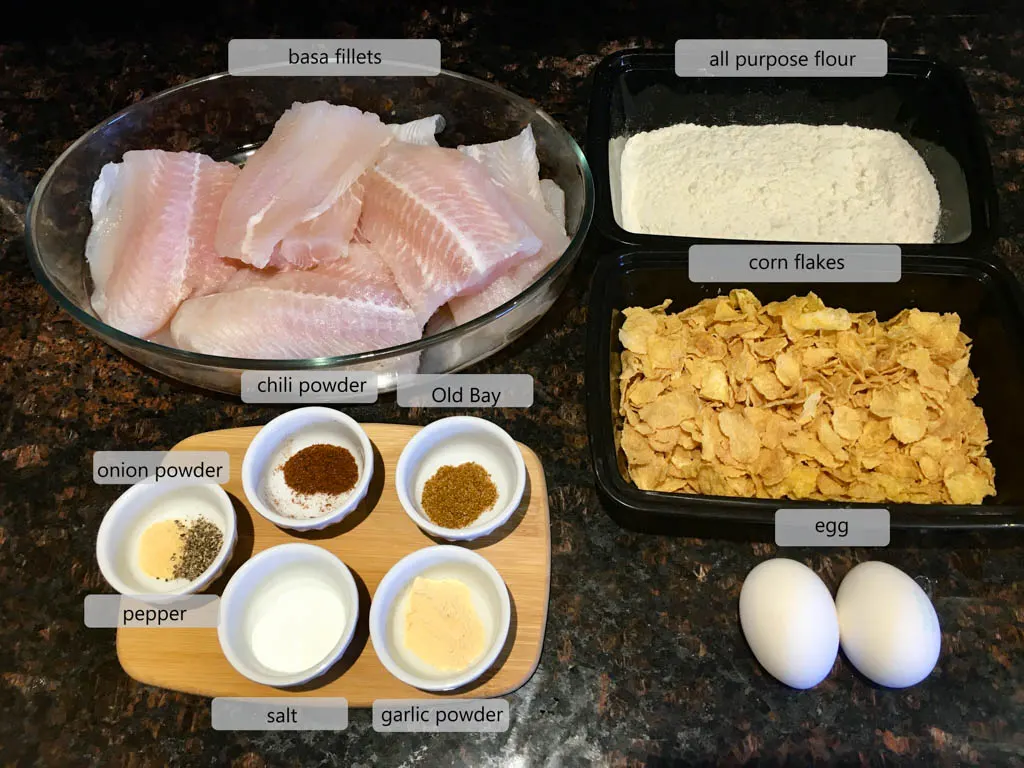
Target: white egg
{"type": "Point", "coordinates": [887, 625]}
{"type": "Point", "coordinates": [789, 619]}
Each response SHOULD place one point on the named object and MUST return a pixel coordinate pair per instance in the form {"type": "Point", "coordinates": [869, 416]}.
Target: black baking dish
{"type": "Point", "coordinates": [991, 307]}
{"type": "Point", "coordinates": [925, 101]}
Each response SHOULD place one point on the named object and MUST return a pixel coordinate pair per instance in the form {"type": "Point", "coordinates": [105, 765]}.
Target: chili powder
{"type": "Point", "coordinates": [321, 468]}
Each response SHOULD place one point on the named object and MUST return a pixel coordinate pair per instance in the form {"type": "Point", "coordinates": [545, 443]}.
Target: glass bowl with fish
{"type": "Point", "coordinates": [412, 224]}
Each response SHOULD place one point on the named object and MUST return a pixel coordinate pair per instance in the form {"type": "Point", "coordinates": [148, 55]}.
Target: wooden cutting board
{"type": "Point", "coordinates": [369, 541]}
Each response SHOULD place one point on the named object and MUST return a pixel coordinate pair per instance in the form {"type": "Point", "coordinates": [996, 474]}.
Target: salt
{"type": "Point", "coordinates": [296, 624]}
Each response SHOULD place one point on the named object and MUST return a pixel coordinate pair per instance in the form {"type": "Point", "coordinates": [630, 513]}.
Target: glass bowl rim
{"type": "Point", "coordinates": [115, 336]}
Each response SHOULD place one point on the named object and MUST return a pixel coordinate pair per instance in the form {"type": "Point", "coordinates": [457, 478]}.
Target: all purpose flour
{"type": "Point", "coordinates": [827, 183]}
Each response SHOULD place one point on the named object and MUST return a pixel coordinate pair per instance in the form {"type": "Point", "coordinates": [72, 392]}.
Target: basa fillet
{"type": "Point", "coordinates": [315, 153]}
{"type": "Point", "coordinates": [513, 165]}
{"type": "Point", "coordinates": [440, 223]}
{"type": "Point", "coordinates": [152, 241]}
{"type": "Point", "coordinates": [347, 307]}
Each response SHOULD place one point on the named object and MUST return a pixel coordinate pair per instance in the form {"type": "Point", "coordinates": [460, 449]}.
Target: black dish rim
{"type": "Point", "coordinates": [982, 192]}
{"type": "Point", "coordinates": [659, 512]}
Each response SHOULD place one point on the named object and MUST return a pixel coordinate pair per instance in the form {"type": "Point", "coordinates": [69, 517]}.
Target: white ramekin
{"type": "Point", "coordinates": [261, 451]}
{"type": "Point", "coordinates": [443, 561]}
{"type": "Point", "coordinates": [134, 511]}
{"type": "Point", "coordinates": [454, 441]}
{"type": "Point", "coordinates": [274, 566]}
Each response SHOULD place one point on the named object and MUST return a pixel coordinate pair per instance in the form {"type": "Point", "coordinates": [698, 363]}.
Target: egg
{"type": "Point", "coordinates": [789, 620]}
{"type": "Point", "coordinates": [887, 625]}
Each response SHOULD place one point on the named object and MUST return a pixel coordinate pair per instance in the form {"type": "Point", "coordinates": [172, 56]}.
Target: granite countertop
{"type": "Point", "coordinates": [643, 663]}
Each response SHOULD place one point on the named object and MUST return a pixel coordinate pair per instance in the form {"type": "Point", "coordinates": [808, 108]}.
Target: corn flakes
{"type": "Point", "coordinates": [798, 400]}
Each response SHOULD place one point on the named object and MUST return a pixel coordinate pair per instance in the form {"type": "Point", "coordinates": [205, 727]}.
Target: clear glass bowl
{"type": "Point", "coordinates": [227, 117]}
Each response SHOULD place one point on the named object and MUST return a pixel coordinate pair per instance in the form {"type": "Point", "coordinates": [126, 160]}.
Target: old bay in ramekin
{"type": "Point", "coordinates": [453, 441]}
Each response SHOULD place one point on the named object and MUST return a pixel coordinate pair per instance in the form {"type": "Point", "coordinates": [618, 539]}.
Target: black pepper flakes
{"type": "Point", "coordinates": [202, 542]}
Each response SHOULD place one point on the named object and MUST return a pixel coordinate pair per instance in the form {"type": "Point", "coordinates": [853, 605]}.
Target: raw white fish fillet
{"type": "Point", "coordinates": [314, 154]}
{"type": "Point", "coordinates": [554, 200]}
{"type": "Point", "coordinates": [422, 131]}
{"type": "Point", "coordinates": [208, 271]}
{"type": "Point", "coordinates": [343, 308]}
{"type": "Point", "coordinates": [151, 245]}
{"type": "Point", "coordinates": [519, 277]}
{"type": "Point", "coordinates": [162, 337]}
{"type": "Point", "coordinates": [362, 256]}
{"type": "Point", "coordinates": [326, 238]}
{"type": "Point", "coordinates": [512, 163]}
{"type": "Point", "coordinates": [441, 224]}
{"type": "Point", "coordinates": [103, 220]}
{"type": "Point", "coordinates": [514, 166]}
{"type": "Point", "coordinates": [323, 239]}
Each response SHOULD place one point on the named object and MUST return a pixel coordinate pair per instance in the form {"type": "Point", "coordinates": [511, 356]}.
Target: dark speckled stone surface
{"type": "Point", "coordinates": [643, 663]}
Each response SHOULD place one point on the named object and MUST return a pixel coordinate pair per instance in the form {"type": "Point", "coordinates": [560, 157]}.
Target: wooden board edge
{"type": "Point", "coordinates": [212, 432]}
{"type": "Point", "coordinates": [547, 575]}
{"type": "Point", "coordinates": [139, 676]}
{"type": "Point", "coordinates": [122, 659]}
